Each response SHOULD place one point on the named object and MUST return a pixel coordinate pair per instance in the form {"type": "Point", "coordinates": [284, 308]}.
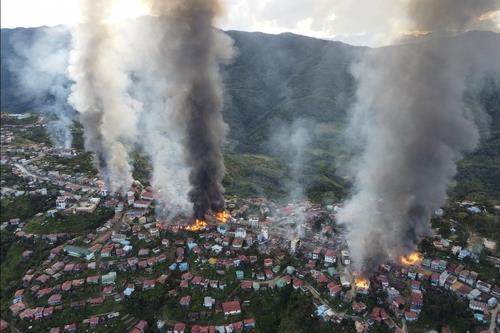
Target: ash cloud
{"type": "Point", "coordinates": [100, 94]}
{"type": "Point", "coordinates": [411, 126]}
{"type": "Point", "coordinates": [190, 54]}
{"type": "Point", "coordinates": [39, 67]}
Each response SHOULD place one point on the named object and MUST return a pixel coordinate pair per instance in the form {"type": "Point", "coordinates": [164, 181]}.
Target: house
{"type": "Point", "coordinates": [231, 308]}
{"type": "Point", "coordinates": [17, 307]}
{"type": "Point", "coordinates": [180, 328]}
{"type": "Point", "coordinates": [297, 283]}
{"type": "Point", "coordinates": [246, 285]}
{"type": "Point", "coordinates": [268, 262]}
{"type": "Point", "coordinates": [269, 274]}
{"type": "Point", "coordinates": [4, 326]}
{"type": "Point", "coordinates": [78, 282]}
{"type": "Point", "coordinates": [398, 303]}
{"type": "Point", "coordinates": [142, 204]}
{"type": "Point", "coordinates": [93, 321]}
{"type": "Point", "coordinates": [478, 306]}
{"type": "Point", "coordinates": [148, 284]}
{"type": "Point", "coordinates": [471, 279]}
{"type": "Point", "coordinates": [496, 292]}
{"type": "Point", "coordinates": [334, 289]}
{"type": "Point", "coordinates": [314, 254]}
{"type": "Point", "coordinates": [55, 299]}
{"type": "Point", "coordinates": [94, 279]}
{"type": "Point", "coordinates": [61, 203]}
{"type": "Point", "coordinates": [415, 285]}
{"type": "Point", "coordinates": [79, 252]}
{"type": "Point", "coordinates": [208, 302]}
{"type": "Point", "coordinates": [108, 290]}
{"type": "Point", "coordinates": [249, 323]}
{"type": "Point", "coordinates": [411, 316]}
{"type": "Point", "coordinates": [344, 257]}
{"type": "Point", "coordinates": [70, 328]}
{"type": "Point", "coordinates": [27, 253]}
{"type": "Point", "coordinates": [18, 296]}
{"type": "Point", "coordinates": [358, 307]}
{"type": "Point", "coordinates": [483, 286]}
{"type": "Point", "coordinates": [66, 286]}
{"type": "Point", "coordinates": [148, 196]}
{"type": "Point", "coordinates": [96, 300]}
{"type": "Point", "coordinates": [330, 257]}
{"type": "Point", "coordinates": [108, 278]}
{"type": "Point", "coordinates": [129, 289]}
{"type": "Point", "coordinates": [435, 279]}
{"type": "Point", "coordinates": [43, 292]}
{"type": "Point", "coordinates": [185, 301]}
{"type": "Point", "coordinates": [416, 301]}
{"type": "Point", "coordinates": [240, 275]}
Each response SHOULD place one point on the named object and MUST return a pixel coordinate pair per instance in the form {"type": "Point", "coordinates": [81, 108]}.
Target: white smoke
{"type": "Point", "coordinates": [100, 94]}
{"type": "Point", "coordinates": [39, 66]}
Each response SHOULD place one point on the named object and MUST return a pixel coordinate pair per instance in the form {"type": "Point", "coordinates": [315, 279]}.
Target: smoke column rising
{"type": "Point", "coordinates": [40, 68]}
{"type": "Point", "coordinates": [99, 94]}
{"type": "Point", "coordinates": [291, 142]}
{"type": "Point", "coordinates": [194, 92]}
{"type": "Point", "coordinates": [413, 128]}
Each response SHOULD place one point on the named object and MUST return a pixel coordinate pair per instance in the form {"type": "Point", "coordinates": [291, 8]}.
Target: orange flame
{"type": "Point", "coordinates": [223, 216]}
{"type": "Point", "coordinates": [361, 283]}
{"type": "Point", "coordinates": [411, 259]}
{"type": "Point", "coordinates": [197, 225]}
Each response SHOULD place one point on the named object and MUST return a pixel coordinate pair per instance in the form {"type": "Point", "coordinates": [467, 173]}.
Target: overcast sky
{"type": "Point", "coordinates": [360, 22]}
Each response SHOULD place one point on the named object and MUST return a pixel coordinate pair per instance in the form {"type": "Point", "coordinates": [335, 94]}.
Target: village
{"type": "Point", "coordinates": [104, 275]}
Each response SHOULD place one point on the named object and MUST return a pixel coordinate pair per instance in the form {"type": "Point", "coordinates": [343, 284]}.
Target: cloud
{"type": "Point", "coordinates": [361, 22]}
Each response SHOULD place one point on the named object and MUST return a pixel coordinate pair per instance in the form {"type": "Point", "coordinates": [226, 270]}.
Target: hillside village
{"type": "Point", "coordinates": [93, 261]}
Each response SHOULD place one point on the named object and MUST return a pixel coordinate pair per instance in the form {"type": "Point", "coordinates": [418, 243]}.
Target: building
{"type": "Point", "coordinates": [108, 278]}
{"type": "Point", "coordinates": [330, 257]}
{"type": "Point", "coordinates": [79, 252]}
{"type": "Point", "coordinates": [231, 308]}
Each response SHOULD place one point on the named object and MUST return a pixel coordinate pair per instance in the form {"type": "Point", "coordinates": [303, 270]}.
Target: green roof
{"type": "Point", "coordinates": [78, 250]}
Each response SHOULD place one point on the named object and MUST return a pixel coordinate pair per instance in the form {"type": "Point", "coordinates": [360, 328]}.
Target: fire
{"type": "Point", "coordinates": [197, 225]}
{"type": "Point", "coordinates": [361, 283]}
{"type": "Point", "coordinates": [223, 216]}
{"type": "Point", "coordinates": [413, 258]}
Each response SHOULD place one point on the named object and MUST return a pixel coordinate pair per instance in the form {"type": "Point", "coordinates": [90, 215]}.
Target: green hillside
{"type": "Point", "coordinates": [276, 79]}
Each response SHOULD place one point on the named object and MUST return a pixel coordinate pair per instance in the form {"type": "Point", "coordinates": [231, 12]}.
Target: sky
{"type": "Point", "coordinates": [358, 22]}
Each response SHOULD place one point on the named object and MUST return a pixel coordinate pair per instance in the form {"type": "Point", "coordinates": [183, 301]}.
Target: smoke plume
{"type": "Point", "coordinates": [411, 127]}
{"type": "Point", "coordinates": [193, 93]}
{"type": "Point", "coordinates": [108, 113]}
{"type": "Point", "coordinates": [161, 133]}
{"type": "Point", "coordinates": [291, 144]}
{"type": "Point", "coordinates": [39, 66]}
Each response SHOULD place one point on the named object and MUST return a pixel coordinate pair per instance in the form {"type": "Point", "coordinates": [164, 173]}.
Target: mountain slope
{"type": "Point", "coordinates": [276, 79]}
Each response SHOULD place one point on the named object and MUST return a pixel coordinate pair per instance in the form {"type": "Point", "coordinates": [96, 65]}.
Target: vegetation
{"type": "Point", "coordinates": [81, 163]}
{"type": "Point", "coordinates": [70, 223]}
{"type": "Point", "coordinates": [13, 265]}
{"type": "Point", "coordinates": [15, 121]}
{"type": "Point", "coordinates": [9, 179]}
{"type": "Point", "coordinates": [251, 175]}
{"type": "Point", "coordinates": [442, 308]}
{"type": "Point", "coordinates": [478, 174]}
{"type": "Point", "coordinates": [24, 207]}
